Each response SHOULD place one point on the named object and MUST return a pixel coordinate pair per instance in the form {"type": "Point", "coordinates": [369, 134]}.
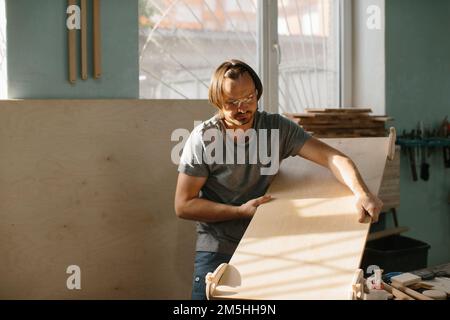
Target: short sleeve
{"type": "Point", "coordinates": [292, 137]}
{"type": "Point", "coordinates": [192, 161]}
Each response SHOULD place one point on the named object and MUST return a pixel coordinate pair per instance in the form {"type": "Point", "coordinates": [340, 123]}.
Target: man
{"type": "Point", "coordinates": [223, 196]}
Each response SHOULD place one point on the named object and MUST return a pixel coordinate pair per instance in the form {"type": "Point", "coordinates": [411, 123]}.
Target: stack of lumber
{"type": "Point", "coordinates": [389, 193]}
{"type": "Point", "coordinates": [390, 185]}
{"type": "Point", "coordinates": [341, 123]}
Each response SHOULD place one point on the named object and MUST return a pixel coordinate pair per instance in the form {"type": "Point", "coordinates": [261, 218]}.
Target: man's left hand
{"type": "Point", "coordinates": [368, 205]}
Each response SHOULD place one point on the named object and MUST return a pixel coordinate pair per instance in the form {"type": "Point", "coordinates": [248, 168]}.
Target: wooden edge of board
{"type": "Point", "coordinates": [392, 139]}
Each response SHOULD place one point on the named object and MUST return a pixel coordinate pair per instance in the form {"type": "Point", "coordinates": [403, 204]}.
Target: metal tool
{"type": "Point", "coordinates": [412, 157]}
{"type": "Point", "coordinates": [424, 166]}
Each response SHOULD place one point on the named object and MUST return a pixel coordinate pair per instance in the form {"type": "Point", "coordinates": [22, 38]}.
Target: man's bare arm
{"type": "Point", "coordinates": [344, 169]}
{"type": "Point", "coordinates": [189, 206]}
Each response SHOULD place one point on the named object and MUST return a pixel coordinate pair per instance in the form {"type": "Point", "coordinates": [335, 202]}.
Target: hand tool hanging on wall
{"type": "Point", "coordinates": [445, 133]}
{"type": "Point", "coordinates": [412, 157]}
{"type": "Point", "coordinates": [446, 151]}
{"type": "Point", "coordinates": [425, 141]}
{"type": "Point", "coordinates": [424, 166]}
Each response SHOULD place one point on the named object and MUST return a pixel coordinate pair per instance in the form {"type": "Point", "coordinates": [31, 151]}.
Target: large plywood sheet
{"type": "Point", "coordinates": [91, 183]}
{"type": "Point", "coordinates": [307, 242]}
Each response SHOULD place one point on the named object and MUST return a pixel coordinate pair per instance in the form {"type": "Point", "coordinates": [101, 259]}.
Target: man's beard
{"type": "Point", "coordinates": [245, 120]}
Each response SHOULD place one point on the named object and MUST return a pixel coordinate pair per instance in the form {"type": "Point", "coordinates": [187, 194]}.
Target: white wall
{"type": "Point", "coordinates": [3, 70]}
{"type": "Point", "coordinates": [368, 57]}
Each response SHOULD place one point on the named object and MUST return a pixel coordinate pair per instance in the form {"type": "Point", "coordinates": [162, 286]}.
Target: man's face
{"type": "Point", "coordinates": [240, 102]}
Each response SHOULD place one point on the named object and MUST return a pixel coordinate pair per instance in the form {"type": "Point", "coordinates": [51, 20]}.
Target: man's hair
{"type": "Point", "coordinates": [231, 69]}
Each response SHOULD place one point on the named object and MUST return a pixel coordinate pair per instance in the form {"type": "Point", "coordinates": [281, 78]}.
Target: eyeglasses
{"type": "Point", "coordinates": [236, 103]}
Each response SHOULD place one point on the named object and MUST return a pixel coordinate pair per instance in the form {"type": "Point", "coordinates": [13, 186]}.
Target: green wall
{"type": "Point", "coordinates": [418, 88]}
{"type": "Point", "coordinates": [37, 51]}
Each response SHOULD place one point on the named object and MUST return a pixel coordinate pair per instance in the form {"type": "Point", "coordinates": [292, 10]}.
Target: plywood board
{"type": "Point", "coordinates": [91, 183]}
{"type": "Point", "coordinates": [307, 242]}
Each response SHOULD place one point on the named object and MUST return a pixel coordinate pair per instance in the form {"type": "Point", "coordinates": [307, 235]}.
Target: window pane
{"type": "Point", "coordinates": [309, 42]}
{"type": "Point", "coordinates": [183, 41]}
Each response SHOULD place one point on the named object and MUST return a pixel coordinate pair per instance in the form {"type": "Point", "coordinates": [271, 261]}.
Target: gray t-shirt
{"type": "Point", "coordinates": [232, 181]}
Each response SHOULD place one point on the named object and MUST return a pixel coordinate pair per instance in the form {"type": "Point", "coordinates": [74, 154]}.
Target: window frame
{"type": "Point", "coordinates": [268, 53]}
{"type": "Point", "coordinates": [345, 54]}
{"type": "Point", "coordinates": [4, 67]}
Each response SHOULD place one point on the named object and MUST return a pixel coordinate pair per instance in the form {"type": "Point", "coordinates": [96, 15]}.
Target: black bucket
{"type": "Point", "coordinates": [396, 254]}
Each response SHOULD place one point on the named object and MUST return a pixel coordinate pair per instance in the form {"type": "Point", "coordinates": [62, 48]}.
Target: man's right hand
{"type": "Point", "coordinates": [189, 206]}
{"type": "Point", "coordinates": [248, 209]}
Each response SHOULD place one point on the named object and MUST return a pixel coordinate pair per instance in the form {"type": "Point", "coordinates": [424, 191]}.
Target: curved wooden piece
{"type": "Point", "coordinates": [213, 278]}
{"type": "Point", "coordinates": [357, 292]}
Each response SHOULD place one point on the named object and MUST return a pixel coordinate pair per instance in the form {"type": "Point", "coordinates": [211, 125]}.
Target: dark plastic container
{"type": "Point", "coordinates": [396, 254]}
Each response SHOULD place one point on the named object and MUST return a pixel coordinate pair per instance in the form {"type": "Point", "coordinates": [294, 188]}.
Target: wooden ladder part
{"type": "Point", "coordinates": [84, 54]}
{"type": "Point", "coordinates": [72, 49]}
{"type": "Point", "coordinates": [97, 47]}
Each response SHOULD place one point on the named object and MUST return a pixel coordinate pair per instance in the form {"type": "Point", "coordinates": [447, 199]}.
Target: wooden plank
{"type": "Point", "coordinates": [387, 233]}
{"type": "Point", "coordinates": [307, 242]}
{"type": "Point", "coordinates": [84, 54]}
{"type": "Point", "coordinates": [389, 205]}
{"type": "Point", "coordinates": [406, 279]}
{"type": "Point", "coordinates": [390, 186]}
{"type": "Point", "coordinates": [390, 200]}
{"type": "Point", "coordinates": [400, 295]}
{"type": "Point", "coordinates": [91, 183]}
{"type": "Point", "coordinates": [337, 121]}
{"type": "Point", "coordinates": [344, 125]}
{"type": "Point", "coordinates": [72, 50]}
{"type": "Point", "coordinates": [97, 46]}
{"type": "Point", "coordinates": [349, 133]}
{"type": "Point", "coordinates": [390, 191]}
{"type": "Point", "coordinates": [410, 292]}
{"type": "Point", "coordinates": [341, 115]}
{"type": "Point", "coordinates": [299, 115]}
{"type": "Point", "coordinates": [336, 135]}
{"type": "Point", "coordinates": [439, 283]}
{"type": "Point", "coordinates": [339, 110]}
{"type": "Point", "coordinates": [382, 119]}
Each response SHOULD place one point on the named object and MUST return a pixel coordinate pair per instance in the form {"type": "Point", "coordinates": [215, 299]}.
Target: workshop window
{"type": "Point", "coordinates": [178, 52]}
{"type": "Point", "coordinates": [308, 34]}
{"type": "Point", "coordinates": [3, 65]}
{"type": "Point", "coordinates": [183, 41]}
